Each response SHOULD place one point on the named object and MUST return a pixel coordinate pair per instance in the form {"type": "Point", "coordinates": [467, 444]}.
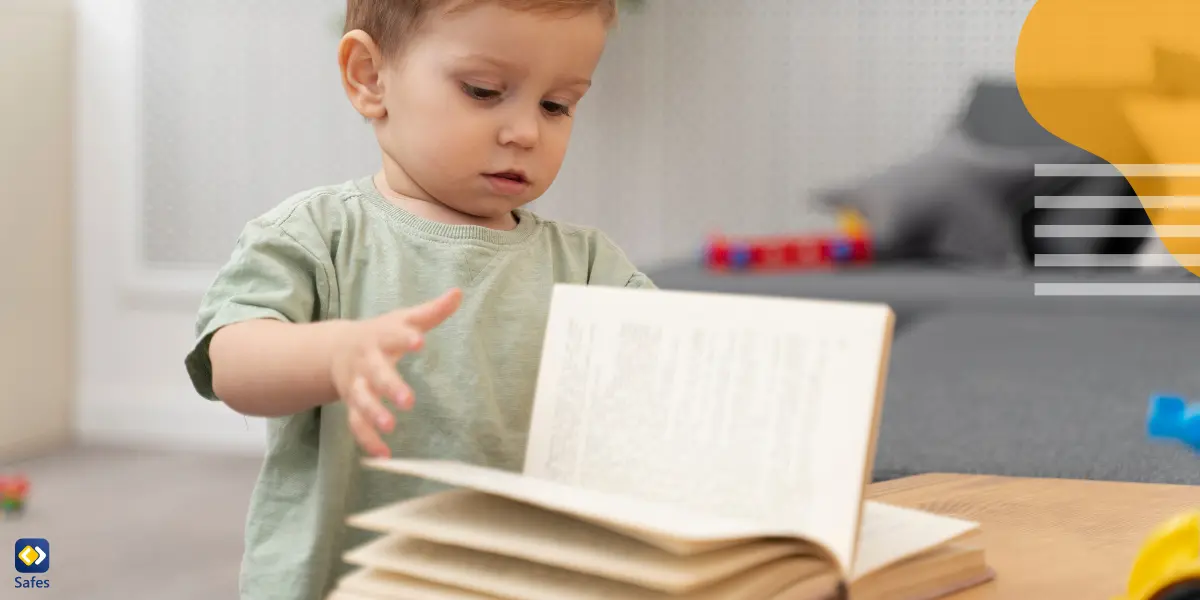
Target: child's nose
{"type": "Point", "coordinates": [522, 130]}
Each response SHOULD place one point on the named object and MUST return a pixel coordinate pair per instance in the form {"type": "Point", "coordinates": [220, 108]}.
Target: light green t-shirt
{"type": "Point", "coordinates": [345, 252]}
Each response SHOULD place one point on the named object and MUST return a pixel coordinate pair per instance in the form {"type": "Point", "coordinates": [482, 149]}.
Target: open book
{"type": "Point", "coordinates": [682, 445]}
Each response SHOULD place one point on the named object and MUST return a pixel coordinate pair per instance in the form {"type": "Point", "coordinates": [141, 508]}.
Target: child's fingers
{"type": "Point", "coordinates": [366, 400]}
{"type": "Point", "coordinates": [366, 435]}
{"type": "Point", "coordinates": [431, 314]}
{"type": "Point", "coordinates": [400, 338]}
{"type": "Point", "coordinates": [386, 380]}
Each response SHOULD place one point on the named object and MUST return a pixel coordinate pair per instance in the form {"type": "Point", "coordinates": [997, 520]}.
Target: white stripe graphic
{"type": "Point", "coordinates": [1151, 260]}
{"type": "Point", "coordinates": [1115, 260]}
{"type": "Point", "coordinates": [1116, 289]}
{"type": "Point", "coordinates": [1116, 231]}
{"type": "Point", "coordinates": [1115, 202]}
{"type": "Point", "coordinates": [1110, 170]}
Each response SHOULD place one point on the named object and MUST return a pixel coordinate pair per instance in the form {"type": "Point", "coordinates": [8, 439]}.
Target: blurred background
{"type": "Point", "coordinates": [136, 137]}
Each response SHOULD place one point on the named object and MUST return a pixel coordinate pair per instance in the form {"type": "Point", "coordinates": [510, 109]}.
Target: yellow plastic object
{"type": "Point", "coordinates": [1170, 556]}
{"type": "Point", "coordinates": [851, 223]}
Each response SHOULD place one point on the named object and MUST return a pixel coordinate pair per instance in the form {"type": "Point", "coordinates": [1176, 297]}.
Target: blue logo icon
{"type": "Point", "coordinates": [32, 555]}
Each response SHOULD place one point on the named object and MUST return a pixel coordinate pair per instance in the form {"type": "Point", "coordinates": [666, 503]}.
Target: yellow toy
{"type": "Point", "coordinates": [1168, 567]}
{"type": "Point", "coordinates": [852, 223]}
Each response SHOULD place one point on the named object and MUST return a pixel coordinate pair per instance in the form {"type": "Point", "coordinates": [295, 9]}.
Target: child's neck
{"type": "Point", "coordinates": [438, 212]}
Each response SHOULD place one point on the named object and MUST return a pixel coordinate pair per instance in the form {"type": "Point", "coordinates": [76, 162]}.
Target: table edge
{"type": "Point", "coordinates": [927, 481]}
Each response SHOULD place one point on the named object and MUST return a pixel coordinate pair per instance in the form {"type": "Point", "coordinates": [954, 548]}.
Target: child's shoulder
{"type": "Point", "coordinates": [318, 207]}
{"type": "Point", "coordinates": [604, 261]}
{"type": "Point", "coordinates": [572, 234]}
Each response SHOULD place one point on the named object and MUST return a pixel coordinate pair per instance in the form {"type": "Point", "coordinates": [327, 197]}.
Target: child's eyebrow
{"type": "Point", "coordinates": [578, 81]}
{"type": "Point", "coordinates": [492, 60]}
{"type": "Point", "coordinates": [511, 66]}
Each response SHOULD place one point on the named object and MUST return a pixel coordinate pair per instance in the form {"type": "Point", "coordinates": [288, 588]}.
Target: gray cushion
{"type": "Point", "coordinates": [951, 203]}
{"type": "Point", "coordinates": [969, 199]}
{"type": "Point", "coordinates": [997, 117]}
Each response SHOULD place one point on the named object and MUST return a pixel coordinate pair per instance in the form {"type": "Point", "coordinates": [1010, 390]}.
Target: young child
{"type": "Point", "coordinates": [402, 314]}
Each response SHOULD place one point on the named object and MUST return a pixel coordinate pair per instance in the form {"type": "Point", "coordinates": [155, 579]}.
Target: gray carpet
{"type": "Point", "coordinates": [1037, 395]}
{"type": "Point", "coordinates": [134, 525]}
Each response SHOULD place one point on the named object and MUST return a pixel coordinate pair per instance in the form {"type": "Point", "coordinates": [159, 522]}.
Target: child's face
{"type": "Point", "coordinates": [479, 105]}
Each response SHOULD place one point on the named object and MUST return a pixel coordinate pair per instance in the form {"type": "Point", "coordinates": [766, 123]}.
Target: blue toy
{"type": "Point", "coordinates": [739, 255]}
{"type": "Point", "coordinates": [841, 250]}
{"type": "Point", "coordinates": [1170, 418]}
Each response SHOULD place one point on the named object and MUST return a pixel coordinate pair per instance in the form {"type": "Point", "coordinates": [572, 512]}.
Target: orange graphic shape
{"type": "Point", "coordinates": [1121, 79]}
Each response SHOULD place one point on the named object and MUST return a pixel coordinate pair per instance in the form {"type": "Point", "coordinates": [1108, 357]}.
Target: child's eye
{"type": "Point", "coordinates": [479, 93]}
{"type": "Point", "coordinates": [555, 108]}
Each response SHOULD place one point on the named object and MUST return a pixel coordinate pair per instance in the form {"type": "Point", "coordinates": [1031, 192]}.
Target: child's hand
{"type": "Point", "coordinates": [364, 367]}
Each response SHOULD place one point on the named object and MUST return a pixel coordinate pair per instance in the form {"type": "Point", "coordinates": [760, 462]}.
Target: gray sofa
{"type": "Point", "coordinates": [986, 377]}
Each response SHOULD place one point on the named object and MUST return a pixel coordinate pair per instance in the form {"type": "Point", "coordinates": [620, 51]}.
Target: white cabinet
{"type": "Point", "coordinates": [37, 366]}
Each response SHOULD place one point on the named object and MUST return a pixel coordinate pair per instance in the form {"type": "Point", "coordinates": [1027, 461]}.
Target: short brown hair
{"type": "Point", "coordinates": [390, 22]}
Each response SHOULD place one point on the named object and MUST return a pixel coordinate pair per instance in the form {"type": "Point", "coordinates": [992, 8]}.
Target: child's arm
{"type": "Point", "coordinates": [271, 368]}
{"type": "Point", "coordinates": [269, 344]}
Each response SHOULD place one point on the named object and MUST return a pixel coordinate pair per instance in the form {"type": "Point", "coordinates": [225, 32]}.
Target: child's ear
{"type": "Point", "coordinates": [361, 62]}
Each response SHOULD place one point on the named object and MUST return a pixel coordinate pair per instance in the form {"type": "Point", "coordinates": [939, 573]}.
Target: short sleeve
{"type": "Point", "coordinates": [271, 274]}
{"type": "Point", "coordinates": [610, 266]}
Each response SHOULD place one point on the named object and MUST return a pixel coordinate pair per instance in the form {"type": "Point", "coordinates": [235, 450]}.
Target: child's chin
{"type": "Point", "coordinates": [490, 208]}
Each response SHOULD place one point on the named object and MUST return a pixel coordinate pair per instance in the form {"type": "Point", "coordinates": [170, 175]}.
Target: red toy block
{"type": "Point", "coordinates": [784, 252]}
{"type": "Point", "coordinates": [825, 250]}
{"type": "Point", "coordinates": [758, 254]}
{"type": "Point", "coordinates": [863, 251]}
{"type": "Point", "coordinates": [813, 253]}
{"type": "Point", "coordinates": [716, 255]}
{"type": "Point", "coordinates": [790, 254]}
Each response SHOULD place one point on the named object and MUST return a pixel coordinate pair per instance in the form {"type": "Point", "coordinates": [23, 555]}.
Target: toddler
{"type": "Point", "coordinates": [402, 314]}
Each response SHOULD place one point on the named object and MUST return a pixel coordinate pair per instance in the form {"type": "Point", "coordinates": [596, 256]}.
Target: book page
{"type": "Point", "coordinates": [504, 577]}
{"type": "Point", "coordinates": [496, 525]}
{"type": "Point", "coordinates": [738, 406]}
{"type": "Point", "coordinates": [891, 534]}
{"type": "Point", "coordinates": [488, 574]}
{"type": "Point", "coordinates": [937, 573]}
{"type": "Point", "coordinates": [675, 529]}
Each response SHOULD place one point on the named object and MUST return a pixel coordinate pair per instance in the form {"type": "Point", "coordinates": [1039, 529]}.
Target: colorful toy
{"type": "Point", "coordinates": [852, 245]}
{"type": "Point", "coordinates": [13, 491]}
{"type": "Point", "coordinates": [1171, 418]}
{"type": "Point", "coordinates": [1168, 565]}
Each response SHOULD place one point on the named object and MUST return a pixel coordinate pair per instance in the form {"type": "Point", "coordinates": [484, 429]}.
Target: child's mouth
{"type": "Point", "coordinates": [511, 176]}
{"type": "Point", "coordinates": [508, 182]}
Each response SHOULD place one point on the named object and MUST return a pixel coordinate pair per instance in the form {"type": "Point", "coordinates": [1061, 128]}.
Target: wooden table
{"type": "Point", "coordinates": [1048, 538]}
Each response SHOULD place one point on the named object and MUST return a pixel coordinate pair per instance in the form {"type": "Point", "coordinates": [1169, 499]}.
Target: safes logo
{"type": "Point", "coordinates": [32, 556]}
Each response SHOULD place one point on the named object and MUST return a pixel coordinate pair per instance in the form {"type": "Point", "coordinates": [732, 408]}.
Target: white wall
{"type": "Point", "coordinates": [132, 385]}
{"type": "Point", "coordinates": [709, 114]}
{"type": "Point", "coordinates": [37, 327]}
